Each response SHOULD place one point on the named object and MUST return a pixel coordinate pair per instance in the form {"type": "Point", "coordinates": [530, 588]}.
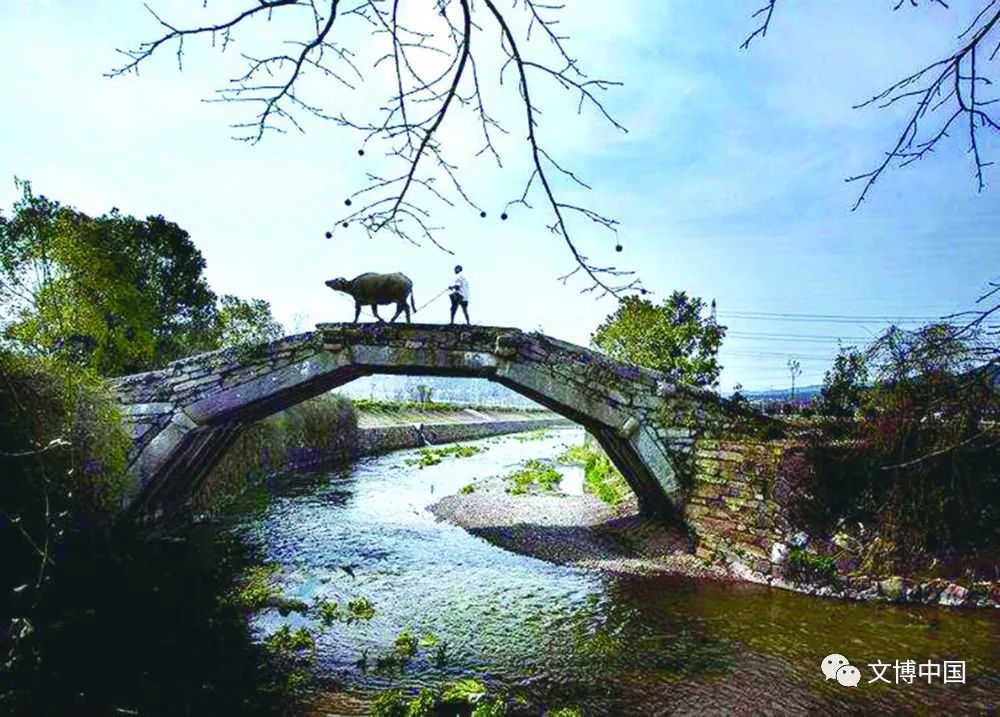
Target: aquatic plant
{"type": "Point", "coordinates": [296, 681]}
{"type": "Point", "coordinates": [566, 712]}
{"type": "Point", "coordinates": [256, 588]}
{"type": "Point", "coordinates": [286, 643]}
{"type": "Point", "coordinates": [534, 474]}
{"type": "Point", "coordinates": [429, 639]}
{"type": "Point", "coordinates": [536, 435]}
{"type": "Point", "coordinates": [426, 457]}
{"type": "Point", "coordinates": [422, 705]}
{"type": "Point", "coordinates": [285, 605]}
{"type": "Point", "coordinates": [388, 703]}
{"type": "Point", "coordinates": [468, 690]}
{"type": "Point", "coordinates": [495, 707]}
{"type": "Point", "coordinates": [328, 612]}
{"type": "Point", "coordinates": [441, 654]}
{"type": "Point", "coordinates": [360, 608]}
{"type": "Point", "coordinates": [389, 663]}
{"type": "Point", "coordinates": [601, 646]}
{"type": "Point", "coordinates": [433, 456]}
{"type": "Point", "coordinates": [405, 645]}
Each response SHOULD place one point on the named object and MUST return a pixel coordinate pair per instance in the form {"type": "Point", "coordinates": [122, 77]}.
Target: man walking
{"type": "Point", "coordinates": [460, 295]}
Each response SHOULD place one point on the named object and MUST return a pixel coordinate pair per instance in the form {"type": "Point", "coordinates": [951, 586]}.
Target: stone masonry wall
{"type": "Point", "coordinates": [744, 498]}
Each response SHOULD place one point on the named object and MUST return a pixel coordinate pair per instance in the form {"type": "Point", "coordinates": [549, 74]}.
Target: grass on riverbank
{"type": "Point", "coordinates": [600, 477]}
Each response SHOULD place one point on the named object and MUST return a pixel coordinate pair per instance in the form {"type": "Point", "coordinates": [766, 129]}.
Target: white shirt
{"type": "Point", "coordinates": [463, 287]}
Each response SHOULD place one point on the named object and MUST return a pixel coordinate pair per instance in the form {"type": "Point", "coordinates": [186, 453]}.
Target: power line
{"type": "Point", "coordinates": [805, 338]}
{"type": "Point", "coordinates": [855, 322]}
{"type": "Point", "coordinates": [769, 334]}
{"type": "Point", "coordinates": [737, 312]}
{"type": "Point", "coordinates": [776, 354]}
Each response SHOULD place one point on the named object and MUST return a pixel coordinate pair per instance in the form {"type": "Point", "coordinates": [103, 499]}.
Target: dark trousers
{"type": "Point", "coordinates": [456, 301]}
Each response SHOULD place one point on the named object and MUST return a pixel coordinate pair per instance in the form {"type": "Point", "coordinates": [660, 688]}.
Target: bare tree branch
{"type": "Point", "coordinates": [431, 65]}
{"type": "Point", "coordinates": [952, 82]}
{"type": "Point", "coordinates": [949, 89]}
{"type": "Point", "coordinates": [766, 13]}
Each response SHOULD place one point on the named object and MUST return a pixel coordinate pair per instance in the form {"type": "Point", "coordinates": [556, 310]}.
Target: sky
{"type": "Point", "coordinates": [729, 183]}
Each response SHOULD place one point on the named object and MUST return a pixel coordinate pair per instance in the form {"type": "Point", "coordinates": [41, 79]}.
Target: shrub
{"type": "Point", "coordinates": [922, 469]}
{"type": "Point", "coordinates": [811, 567]}
{"type": "Point", "coordinates": [63, 459]}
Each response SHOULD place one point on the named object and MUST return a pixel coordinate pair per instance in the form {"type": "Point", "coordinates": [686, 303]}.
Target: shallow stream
{"type": "Point", "coordinates": [559, 636]}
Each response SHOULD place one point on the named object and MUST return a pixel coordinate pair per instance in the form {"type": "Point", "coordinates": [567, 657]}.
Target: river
{"type": "Point", "coordinates": [558, 636]}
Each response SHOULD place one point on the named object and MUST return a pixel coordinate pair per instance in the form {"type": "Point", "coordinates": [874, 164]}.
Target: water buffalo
{"type": "Point", "coordinates": [374, 289]}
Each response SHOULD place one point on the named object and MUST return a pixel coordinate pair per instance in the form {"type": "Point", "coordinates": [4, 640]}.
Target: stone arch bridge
{"type": "Point", "coordinates": [185, 416]}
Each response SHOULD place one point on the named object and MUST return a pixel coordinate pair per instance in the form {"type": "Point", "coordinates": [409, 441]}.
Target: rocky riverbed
{"type": "Point", "coordinates": [575, 530]}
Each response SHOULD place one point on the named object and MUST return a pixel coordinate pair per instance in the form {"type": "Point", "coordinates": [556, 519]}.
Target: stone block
{"type": "Point", "coordinates": [147, 409]}
{"type": "Point", "coordinates": [205, 380]}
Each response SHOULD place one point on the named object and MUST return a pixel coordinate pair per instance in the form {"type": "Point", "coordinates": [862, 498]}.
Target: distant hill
{"type": "Point", "coordinates": [802, 393]}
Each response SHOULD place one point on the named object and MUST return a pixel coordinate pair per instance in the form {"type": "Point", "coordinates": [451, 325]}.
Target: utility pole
{"type": "Point", "coordinates": [795, 369]}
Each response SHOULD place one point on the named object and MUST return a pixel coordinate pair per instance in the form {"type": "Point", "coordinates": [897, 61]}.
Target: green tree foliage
{"type": "Point", "coordinates": [242, 323]}
{"type": "Point", "coordinates": [113, 293]}
{"type": "Point", "coordinates": [844, 384]}
{"type": "Point", "coordinates": [673, 337]}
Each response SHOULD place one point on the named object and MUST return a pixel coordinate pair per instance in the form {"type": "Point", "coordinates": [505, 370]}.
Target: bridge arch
{"type": "Point", "coordinates": [184, 417]}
